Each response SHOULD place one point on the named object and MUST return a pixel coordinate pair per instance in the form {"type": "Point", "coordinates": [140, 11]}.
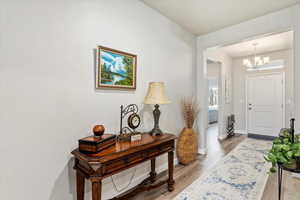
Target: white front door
{"type": "Point", "coordinates": [265, 97]}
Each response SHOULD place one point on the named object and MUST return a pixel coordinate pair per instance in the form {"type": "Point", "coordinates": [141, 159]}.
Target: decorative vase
{"type": "Point", "coordinates": [187, 146]}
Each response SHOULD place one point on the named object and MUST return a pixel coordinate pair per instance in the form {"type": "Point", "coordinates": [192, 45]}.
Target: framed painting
{"type": "Point", "coordinates": [115, 69]}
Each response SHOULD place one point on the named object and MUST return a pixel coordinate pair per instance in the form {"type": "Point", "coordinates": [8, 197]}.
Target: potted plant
{"type": "Point", "coordinates": [284, 152]}
{"type": "Point", "coordinates": [187, 144]}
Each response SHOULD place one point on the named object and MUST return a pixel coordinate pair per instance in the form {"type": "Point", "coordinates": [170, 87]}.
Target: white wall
{"type": "Point", "coordinates": [48, 100]}
{"type": "Point", "coordinates": [276, 22]}
{"type": "Point", "coordinates": [239, 90]}
{"type": "Point", "coordinates": [213, 70]}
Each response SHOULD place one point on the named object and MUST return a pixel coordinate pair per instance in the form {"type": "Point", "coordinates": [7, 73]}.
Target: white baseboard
{"type": "Point", "coordinates": [240, 131]}
{"type": "Point", "coordinates": [202, 151]}
{"type": "Point", "coordinates": [222, 137]}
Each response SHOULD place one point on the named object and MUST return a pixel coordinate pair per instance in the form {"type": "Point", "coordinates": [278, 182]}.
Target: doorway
{"type": "Point", "coordinates": [265, 103]}
{"type": "Point", "coordinates": [214, 83]}
{"type": "Point", "coordinates": [270, 53]}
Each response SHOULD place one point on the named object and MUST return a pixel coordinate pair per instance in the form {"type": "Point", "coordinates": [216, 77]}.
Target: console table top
{"type": "Point", "coordinates": [123, 148]}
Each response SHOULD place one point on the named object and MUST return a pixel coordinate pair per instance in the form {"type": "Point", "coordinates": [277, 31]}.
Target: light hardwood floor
{"type": "Point", "coordinates": [185, 175]}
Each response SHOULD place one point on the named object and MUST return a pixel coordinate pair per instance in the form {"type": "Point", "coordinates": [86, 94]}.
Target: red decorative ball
{"type": "Point", "coordinates": [98, 130]}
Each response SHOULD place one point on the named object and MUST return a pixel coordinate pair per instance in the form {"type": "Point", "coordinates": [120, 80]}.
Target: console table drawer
{"type": "Point", "coordinates": [115, 165]}
{"type": "Point", "coordinates": [157, 150]}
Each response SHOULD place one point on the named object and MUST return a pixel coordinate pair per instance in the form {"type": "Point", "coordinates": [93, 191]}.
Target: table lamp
{"type": "Point", "coordinates": [156, 95]}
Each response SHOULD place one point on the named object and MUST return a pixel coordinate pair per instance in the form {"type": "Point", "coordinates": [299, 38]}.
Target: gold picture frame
{"type": "Point", "coordinates": [115, 69]}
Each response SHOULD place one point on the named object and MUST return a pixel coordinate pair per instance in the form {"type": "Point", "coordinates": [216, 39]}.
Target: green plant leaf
{"type": "Point", "coordinates": [290, 154]}
{"type": "Point", "coordinates": [297, 153]}
{"type": "Point", "coordinates": [286, 140]}
{"type": "Point", "coordinates": [277, 141]}
{"type": "Point", "coordinates": [272, 169]}
{"type": "Point", "coordinates": [285, 147]}
{"type": "Point", "coordinates": [283, 151]}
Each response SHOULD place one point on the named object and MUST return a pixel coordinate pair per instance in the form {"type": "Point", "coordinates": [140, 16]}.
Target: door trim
{"type": "Point", "coordinates": [282, 73]}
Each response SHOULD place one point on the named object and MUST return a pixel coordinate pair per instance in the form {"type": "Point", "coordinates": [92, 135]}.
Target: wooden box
{"type": "Point", "coordinates": [95, 144]}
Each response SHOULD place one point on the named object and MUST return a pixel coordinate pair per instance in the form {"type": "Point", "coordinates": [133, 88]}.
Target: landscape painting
{"type": "Point", "coordinates": [116, 69]}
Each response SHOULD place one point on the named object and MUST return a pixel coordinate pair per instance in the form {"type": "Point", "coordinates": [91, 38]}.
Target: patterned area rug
{"type": "Point", "coordinates": [240, 175]}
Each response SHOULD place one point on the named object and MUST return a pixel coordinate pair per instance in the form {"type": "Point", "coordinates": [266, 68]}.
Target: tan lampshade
{"type": "Point", "coordinates": [156, 94]}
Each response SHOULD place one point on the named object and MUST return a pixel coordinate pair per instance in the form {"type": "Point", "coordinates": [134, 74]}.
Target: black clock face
{"type": "Point", "coordinates": [134, 121]}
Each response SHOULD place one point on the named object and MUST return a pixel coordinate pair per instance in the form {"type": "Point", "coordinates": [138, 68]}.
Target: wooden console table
{"type": "Point", "coordinates": [122, 156]}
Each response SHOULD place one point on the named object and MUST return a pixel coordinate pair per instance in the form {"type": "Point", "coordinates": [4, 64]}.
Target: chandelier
{"type": "Point", "coordinates": [256, 61]}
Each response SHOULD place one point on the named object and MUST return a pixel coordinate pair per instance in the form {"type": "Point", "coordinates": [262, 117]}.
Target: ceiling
{"type": "Point", "coordinates": [204, 16]}
{"type": "Point", "coordinates": [266, 44]}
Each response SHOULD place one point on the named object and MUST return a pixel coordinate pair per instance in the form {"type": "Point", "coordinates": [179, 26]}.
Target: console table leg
{"type": "Point", "coordinates": [96, 188]}
{"type": "Point", "coordinates": [80, 186]}
{"type": "Point", "coordinates": [171, 181]}
{"type": "Point", "coordinates": [153, 172]}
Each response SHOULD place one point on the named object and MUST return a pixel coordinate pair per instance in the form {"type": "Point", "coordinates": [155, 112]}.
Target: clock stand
{"type": "Point", "coordinates": [129, 133]}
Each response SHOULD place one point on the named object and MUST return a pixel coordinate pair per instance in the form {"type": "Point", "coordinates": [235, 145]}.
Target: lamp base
{"type": "Point", "coordinates": [156, 114]}
{"type": "Point", "coordinates": [156, 132]}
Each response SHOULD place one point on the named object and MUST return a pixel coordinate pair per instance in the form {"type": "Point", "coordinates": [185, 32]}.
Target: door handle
{"type": "Point", "coordinates": [249, 108]}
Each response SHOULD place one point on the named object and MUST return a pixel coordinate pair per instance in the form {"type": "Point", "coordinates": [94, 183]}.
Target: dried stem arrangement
{"type": "Point", "coordinates": [190, 111]}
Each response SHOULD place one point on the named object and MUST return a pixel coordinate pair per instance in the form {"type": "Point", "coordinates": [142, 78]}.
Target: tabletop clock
{"type": "Point", "coordinates": [129, 133]}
